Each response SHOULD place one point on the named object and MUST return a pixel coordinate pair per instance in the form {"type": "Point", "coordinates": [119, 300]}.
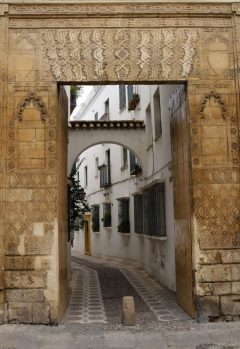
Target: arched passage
{"type": "Point", "coordinates": [83, 135]}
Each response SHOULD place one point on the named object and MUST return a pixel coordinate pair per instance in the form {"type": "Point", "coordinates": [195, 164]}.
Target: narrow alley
{"type": "Point", "coordinates": [99, 285]}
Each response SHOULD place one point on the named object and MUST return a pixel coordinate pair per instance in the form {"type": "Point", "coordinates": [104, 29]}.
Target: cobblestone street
{"type": "Point", "coordinates": [93, 320]}
{"type": "Point", "coordinates": [98, 287]}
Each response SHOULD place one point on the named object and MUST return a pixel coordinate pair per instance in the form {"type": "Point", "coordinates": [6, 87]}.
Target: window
{"type": "Point", "coordinates": [135, 168]}
{"type": "Point", "coordinates": [138, 213]}
{"type": "Point", "coordinates": [123, 215]}
{"type": "Point", "coordinates": [108, 161]}
{"type": "Point", "coordinates": [149, 136]}
{"type": "Point", "coordinates": [154, 210]}
{"type": "Point", "coordinates": [105, 171]}
{"type": "Point", "coordinates": [85, 176]}
{"type": "Point", "coordinates": [124, 158]}
{"type": "Point", "coordinates": [96, 116]}
{"type": "Point", "coordinates": [157, 114]}
{"type": "Point", "coordinates": [96, 167]}
{"type": "Point", "coordinates": [107, 215]}
{"type": "Point", "coordinates": [122, 97]}
{"type": "Point", "coordinates": [130, 92]}
{"type": "Point", "coordinates": [95, 218]}
{"type": "Point", "coordinates": [106, 116]}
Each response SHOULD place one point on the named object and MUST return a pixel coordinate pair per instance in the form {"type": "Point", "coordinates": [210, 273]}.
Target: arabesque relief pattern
{"type": "Point", "coordinates": [124, 52]}
{"type": "Point", "coordinates": [114, 42]}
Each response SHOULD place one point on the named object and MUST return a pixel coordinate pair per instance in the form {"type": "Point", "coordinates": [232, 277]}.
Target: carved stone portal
{"type": "Point", "coordinates": [46, 44]}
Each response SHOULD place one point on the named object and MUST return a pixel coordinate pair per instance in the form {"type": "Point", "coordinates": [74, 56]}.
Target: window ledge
{"type": "Point", "coordinates": [96, 232]}
{"type": "Point", "coordinates": [108, 228]}
{"type": "Point", "coordinates": [140, 235]}
{"type": "Point", "coordinates": [159, 238]}
{"type": "Point", "coordinates": [125, 234]}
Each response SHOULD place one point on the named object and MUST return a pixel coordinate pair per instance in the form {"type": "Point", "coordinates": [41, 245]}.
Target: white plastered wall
{"type": "Point", "coordinates": [156, 255]}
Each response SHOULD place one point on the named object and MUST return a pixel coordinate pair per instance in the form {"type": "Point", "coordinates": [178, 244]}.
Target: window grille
{"type": "Point", "coordinates": [149, 132]}
{"type": "Point", "coordinates": [95, 218]}
{"type": "Point", "coordinates": [104, 176]}
{"type": "Point", "coordinates": [138, 213]}
{"type": "Point", "coordinates": [85, 176]}
{"type": "Point", "coordinates": [96, 116]}
{"type": "Point", "coordinates": [105, 171]}
{"type": "Point", "coordinates": [122, 97]}
{"type": "Point", "coordinates": [107, 215]}
{"type": "Point", "coordinates": [154, 210]}
{"type": "Point", "coordinates": [123, 215]}
{"type": "Point", "coordinates": [130, 92]}
{"type": "Point", "coordinates": [135, 168]}
{"type": "Point", "coordinates": [124, 157]}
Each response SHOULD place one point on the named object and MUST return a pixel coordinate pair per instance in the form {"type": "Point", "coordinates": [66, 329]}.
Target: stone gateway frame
{"type": "Point", "coordinates": [46, 43]}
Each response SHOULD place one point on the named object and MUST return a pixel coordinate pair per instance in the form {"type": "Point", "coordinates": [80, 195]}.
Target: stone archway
{"type": "Point", "coordinates": [84, 134]}
{"type": "Point", "coordinates": [45, 43]}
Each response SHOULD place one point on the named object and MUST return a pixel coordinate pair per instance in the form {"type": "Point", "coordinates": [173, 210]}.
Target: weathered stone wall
{"type": "Point", "coordinates": [131, 42]}
{"type": "Point", "coordinates": [3, 100]}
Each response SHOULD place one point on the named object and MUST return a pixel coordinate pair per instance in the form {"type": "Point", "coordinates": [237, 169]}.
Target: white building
{"type": "Point", "coordinates": [132, 215]}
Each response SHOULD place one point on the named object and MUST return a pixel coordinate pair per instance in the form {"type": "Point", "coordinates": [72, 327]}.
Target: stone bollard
{"type": "Point", "coordinates": [128, 311]}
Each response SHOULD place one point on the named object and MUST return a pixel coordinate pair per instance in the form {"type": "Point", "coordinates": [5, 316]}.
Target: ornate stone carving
{"type": "Point", "coordinates": [120, 23]}
{"type": "Point", "coordinates": [38, 103]}
{"type": "Point", "coordinates": [63, 49]}
{"type": "Point", "coordinates": [126, 9]}
{"type": "Point", "coordinates": [218, 54]}
{"type": "Point", "coordinates": [122, 54]}
{"type": "Point", "coordinates": [189, 48]}
{"type": "Point", "coordinates": [126, 53]}
{"type": "Point", "coordinates": [167, 52]}
{"type": "Point", "coordinates": [217, 97]}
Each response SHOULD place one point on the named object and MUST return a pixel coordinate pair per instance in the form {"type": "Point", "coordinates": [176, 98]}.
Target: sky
{"type": "Point", "coordinates": [85, 92]}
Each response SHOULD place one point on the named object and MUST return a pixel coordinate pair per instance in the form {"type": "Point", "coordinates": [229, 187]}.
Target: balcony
{"type": "Point", "coordinates": [104, 117]}
{"type": "Point", "coordinates": [135, 168]}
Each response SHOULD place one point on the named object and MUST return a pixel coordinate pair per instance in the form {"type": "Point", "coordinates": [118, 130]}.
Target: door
{"type": "Point", "coordinates": [182, 199]}
{"type": "Point", "coordinates": [87, 233]}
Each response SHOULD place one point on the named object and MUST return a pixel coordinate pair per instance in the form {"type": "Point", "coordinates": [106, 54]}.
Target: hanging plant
{"type": "Point", "coordinates": [124, 227]}
{"type": "Point", "coordinates": [134, 101]}
{"type": "Point", "coordinates": [107, 220]}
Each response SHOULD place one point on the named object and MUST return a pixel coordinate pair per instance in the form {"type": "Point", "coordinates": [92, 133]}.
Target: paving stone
{"type": "Point", "coordinates": [85, 305]}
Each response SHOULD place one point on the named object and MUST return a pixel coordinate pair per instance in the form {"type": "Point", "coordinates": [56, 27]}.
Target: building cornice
{"type": "Point", "coordinates": [111, 124]}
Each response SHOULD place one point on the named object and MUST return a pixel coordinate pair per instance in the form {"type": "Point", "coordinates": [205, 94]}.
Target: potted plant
{"type": "Point", "coordinates": [124, 227]}
{"type": "Point", "coordinates": [134, 101]}
{"type": "Point", "coordinates": [107, 220]}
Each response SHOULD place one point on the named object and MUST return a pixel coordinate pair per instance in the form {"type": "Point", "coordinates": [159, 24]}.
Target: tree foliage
{"type": "Point", "coordinates": [78, 206]}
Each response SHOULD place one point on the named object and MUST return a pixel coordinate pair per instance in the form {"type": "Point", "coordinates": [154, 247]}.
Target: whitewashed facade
{"type": "Point", "coordinates": [155, 253]}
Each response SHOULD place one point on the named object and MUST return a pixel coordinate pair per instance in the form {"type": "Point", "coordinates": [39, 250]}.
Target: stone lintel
{"type": "Point", "coordinates": [125, 7]}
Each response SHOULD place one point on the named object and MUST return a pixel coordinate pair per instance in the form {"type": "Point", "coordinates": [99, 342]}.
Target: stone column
{"type": "Point", "coordinates": [35, 220]}
{"type": "Point", "coordinates": [215, 176]}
